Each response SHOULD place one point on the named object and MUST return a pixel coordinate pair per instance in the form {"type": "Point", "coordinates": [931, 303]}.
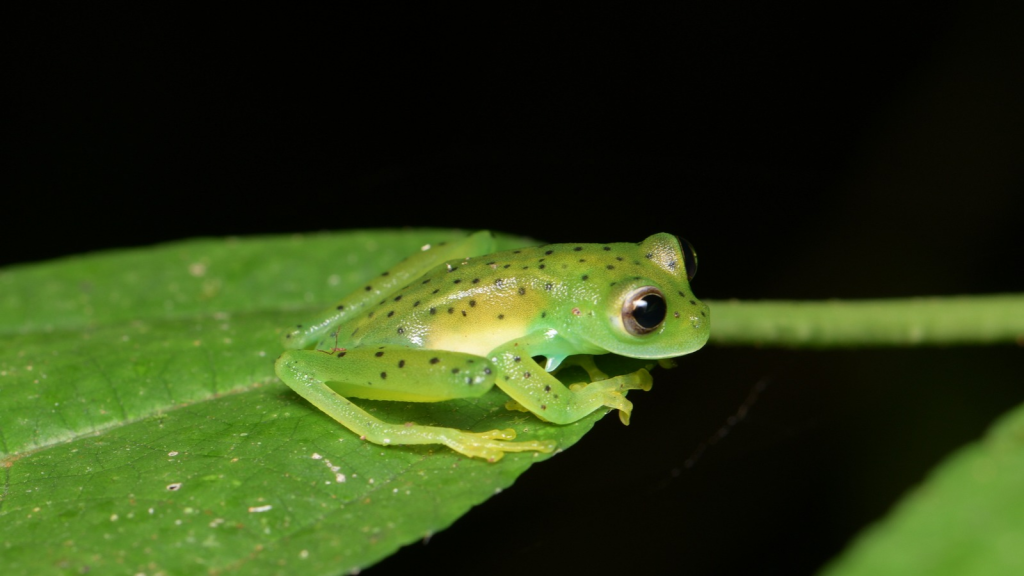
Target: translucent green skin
{"type": "Point", "coordinates": [454, 320]}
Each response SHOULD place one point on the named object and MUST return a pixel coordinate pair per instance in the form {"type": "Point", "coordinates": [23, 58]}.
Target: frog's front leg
{"type": "Point", "coordinates": [405, 374]}
{"type": "Point", "coordinates": [586, 362]}
{"type": "Point", "coordinates": [539, 392]}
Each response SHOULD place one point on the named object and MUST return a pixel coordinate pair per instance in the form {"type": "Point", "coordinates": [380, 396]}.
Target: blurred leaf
{"type": "Point", "coordinates": [967, 518]}
{"type": "Point", "coordinates": [142, 429]}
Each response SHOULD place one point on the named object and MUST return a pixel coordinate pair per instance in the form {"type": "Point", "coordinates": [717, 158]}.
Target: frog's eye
{"type": "Point", "coordinates": [643, 310]}
{"type": "Point", "coordinates": [689, 258]}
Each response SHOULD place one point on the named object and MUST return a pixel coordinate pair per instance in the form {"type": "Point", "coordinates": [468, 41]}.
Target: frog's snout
{"type": "Point", "coordinates": [701, 318]}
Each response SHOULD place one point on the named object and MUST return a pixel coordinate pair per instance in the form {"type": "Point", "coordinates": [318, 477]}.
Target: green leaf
{"type": "Point", "coordinates": [142, 429]}
{"type": "Point", "coordinates": [967, 518]}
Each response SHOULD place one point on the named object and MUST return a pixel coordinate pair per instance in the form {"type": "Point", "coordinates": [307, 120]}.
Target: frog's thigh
{"type": "Point", "coordinates": [397, 373]}
{"type": "Point", "coordinates": [541, 393]}
{"type": "Point", "coordinates": [308, 372]}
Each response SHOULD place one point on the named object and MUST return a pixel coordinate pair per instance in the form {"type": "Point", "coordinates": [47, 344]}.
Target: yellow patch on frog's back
{"type": "Point", "coordinates": [470, 342]}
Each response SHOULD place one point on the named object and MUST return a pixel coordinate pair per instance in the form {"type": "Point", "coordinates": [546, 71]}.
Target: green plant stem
{"type": "Point", "coordinates": [925, 321]}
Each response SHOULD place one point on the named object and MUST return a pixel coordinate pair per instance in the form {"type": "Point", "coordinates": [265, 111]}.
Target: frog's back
{"type": "Point", "coordinates": [475, 304]}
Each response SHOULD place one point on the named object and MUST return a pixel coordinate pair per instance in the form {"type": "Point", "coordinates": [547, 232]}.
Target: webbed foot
{"type": "Point", "coordinates": [612, 391]}
{"type": "Point", "coordinates": [492, 445]}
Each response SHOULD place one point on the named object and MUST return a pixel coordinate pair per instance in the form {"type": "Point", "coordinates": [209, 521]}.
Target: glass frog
{"type": "Point", "coordinates": [454, 320]}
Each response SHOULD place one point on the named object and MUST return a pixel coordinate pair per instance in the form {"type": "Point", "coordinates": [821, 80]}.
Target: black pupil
{"type": "Point", "coordinates": [649, 311]}
{"type": "Point", "coordinates": [689, 258]}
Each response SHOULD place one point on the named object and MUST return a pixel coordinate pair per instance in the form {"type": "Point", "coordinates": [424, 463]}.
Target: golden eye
{"type": "Point", "coordinates": [643, 310]}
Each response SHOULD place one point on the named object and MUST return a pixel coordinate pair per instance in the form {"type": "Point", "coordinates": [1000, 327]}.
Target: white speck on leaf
{"type": "Point", "coordinates": [338, 476]}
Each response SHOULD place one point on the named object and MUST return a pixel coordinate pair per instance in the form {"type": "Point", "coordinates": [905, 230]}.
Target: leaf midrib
{"type": "Point", "coordinates": [8, 458]}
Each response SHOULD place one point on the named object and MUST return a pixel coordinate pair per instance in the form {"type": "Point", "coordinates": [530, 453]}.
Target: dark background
{"type": "Point", "coordinates": [805, 154]}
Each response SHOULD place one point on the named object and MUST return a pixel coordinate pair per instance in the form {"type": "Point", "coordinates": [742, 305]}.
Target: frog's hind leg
{"type": "Point", "coordinates": [399, 374]}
